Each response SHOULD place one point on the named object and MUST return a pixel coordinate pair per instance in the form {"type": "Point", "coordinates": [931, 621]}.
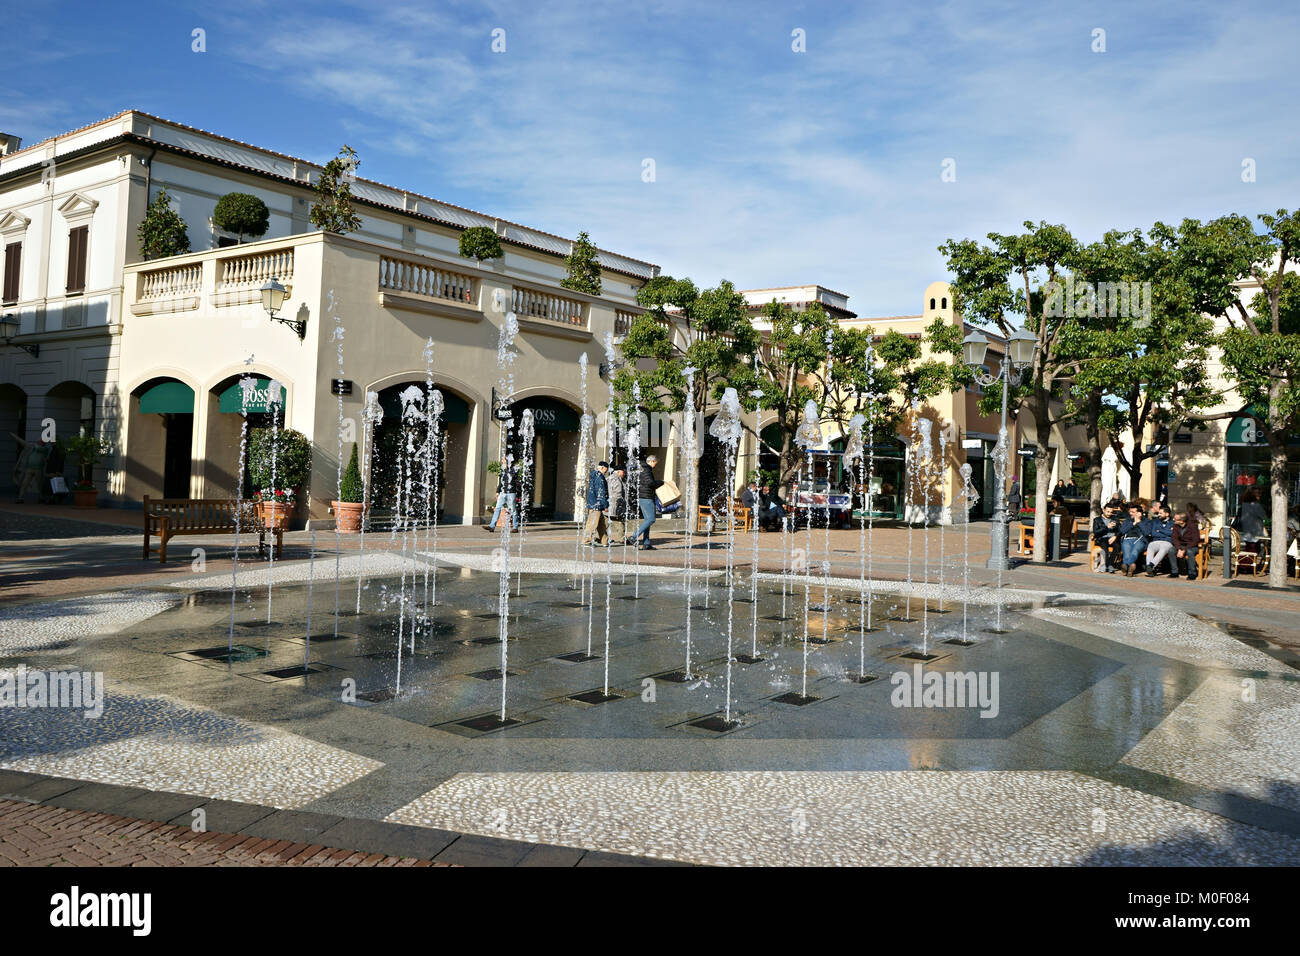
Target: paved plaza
{"type": "Point", "coordinates": [1097, 720]}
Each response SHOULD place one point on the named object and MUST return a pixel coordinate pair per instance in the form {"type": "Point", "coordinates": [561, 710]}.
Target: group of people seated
{"type": "Point", "coordinates": [767, 506]}
{"type": "Point", "coordinates": [1150, 538]}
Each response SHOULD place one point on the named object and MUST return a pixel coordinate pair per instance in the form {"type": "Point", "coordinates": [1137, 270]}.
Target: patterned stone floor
{"type": "Point", "coordinates": [834, 819]}
{"type": "Point", "coordinates": [1163, 696]}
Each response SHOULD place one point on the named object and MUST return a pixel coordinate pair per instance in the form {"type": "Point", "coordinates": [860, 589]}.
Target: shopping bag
{"type": "Point", "coordinates": [667, 493]}
{"type": "Point", "coordinates": [58, 485]}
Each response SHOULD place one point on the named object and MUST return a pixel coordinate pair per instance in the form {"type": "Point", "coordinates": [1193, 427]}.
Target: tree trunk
{"type": "Point", "coordinates": [1042, 477]}
{"type": "Point", "coordinates": [1093, 430]}
{"type": "Point", "coordinates": [1277, 442]}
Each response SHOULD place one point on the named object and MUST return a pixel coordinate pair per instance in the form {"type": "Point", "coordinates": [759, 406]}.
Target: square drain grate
{"type": "Point", "coordinates": [918, 656]}
{"type": "Point", "coordinates": [959, 642]}
{"type": "Point", "coordinates": [714, 722]}
{"type": "Point", "coordinates": [284, 673]}
{"type": "Point", "coordinates": [595, 697]}
{"type": "Point", "coordinates": [488, 722]}
{"type": "Point", "coordinates": [750, 659]}
{"type": "Point", "coordinates": [377, 696]}
{"type": "Point", "coordinates": [492, 673]}
{"type": "Point", "coordinates": [236, 655]}
{"type": "Point", "coordinates": [577, 657]}
{"type": "Point", "coordinates": [798, 700]}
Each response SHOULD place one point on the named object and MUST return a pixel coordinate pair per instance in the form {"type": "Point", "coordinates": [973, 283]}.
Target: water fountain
{"type": "Point", "coordinates": [854, 453]}
{"type": "Point", "coordinates": [1000, 451]}
{"type": "Point", "coordinates": [274, 401]}
{"type": "Point", "coordinates": [925, 461]}
{"type": "Point", "coordinates": [969, 497]}
{"type": "Point", "coordinates": [506, 387]}
{"type": "Point", "coordinates": [412, 412]}
{"type": "Point", "coordinates": [943, 482]}
{"type": "Point", "coordinates": [580, 468]}
{"type": "Point", "coordinates": [427, 493]}
{"type": "Point", "coordinates": [373, 414]}
{"type": "Point", "coordinates": [908, 499]}
{"type": "Point", "coordinates": [807, 436]}
{"type": "Point", "coordinates": [753, 656]}
{"type": "Point", "coordinates": [436, 405]}
{"type": "Point", "coordinates": [726, 428]}
{"type": "Point", "coordinates": [688, 500]}
{"type": "Point", "coordinates": [338, 487]}
{"type": "Point", "coordinates": [247, 386]}
{"type": "Point", "coordinates": [526, 436]}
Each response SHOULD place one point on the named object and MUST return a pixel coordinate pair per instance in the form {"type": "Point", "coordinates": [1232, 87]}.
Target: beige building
{"type": "Point", "coordinates": [149, 354]}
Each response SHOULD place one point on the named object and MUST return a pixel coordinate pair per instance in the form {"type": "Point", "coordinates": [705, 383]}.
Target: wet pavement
{"type": "Point", "coordinates": [1118, 730]}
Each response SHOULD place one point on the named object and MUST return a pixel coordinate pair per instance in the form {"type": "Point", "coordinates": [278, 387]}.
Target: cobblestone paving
{"type": "Point", "coordinates": [32, 834]}
{"type": "Point", "coordinates": [17, 526]}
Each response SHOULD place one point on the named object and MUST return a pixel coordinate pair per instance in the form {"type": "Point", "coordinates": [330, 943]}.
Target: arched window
{"type": "Point", "coordinates": [945, 302]}
{"type": "Point", "coordinates": [932, 303]}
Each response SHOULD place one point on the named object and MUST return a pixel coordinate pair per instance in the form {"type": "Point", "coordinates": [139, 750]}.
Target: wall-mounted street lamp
{"type": "Point", "coordinates": [9, 328]}
{"type": "Point", "coordinates": [273, 296]}
{"type": "Point", "coordinates": [1017, 356]}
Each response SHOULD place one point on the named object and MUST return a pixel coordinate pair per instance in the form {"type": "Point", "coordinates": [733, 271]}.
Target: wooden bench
{"type": "Point", "coordinates": [166, 518]}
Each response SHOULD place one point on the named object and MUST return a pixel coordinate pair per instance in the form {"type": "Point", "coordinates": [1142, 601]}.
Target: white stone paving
{"type": "Point", "coordinates": [159, 742]}
{"type": "Point", "coordinates": [38, 626]}
{"type": "Point", "coordinates": [1220, 739]}
{"type": "Point", "coordinates": [846, 818]}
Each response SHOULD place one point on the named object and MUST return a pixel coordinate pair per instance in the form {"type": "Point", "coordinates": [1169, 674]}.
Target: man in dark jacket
{"type": "Point", "coordinates": [1105, 532]}
{"type": "Point", "coordinates": [772, 508]}
{"type": "Point", "coordinates": [1014, 499]}
{"type": "Point", "coordinates": [596, 532]}
{"type": "Point", "coordinates": [1186, 539]}
{"type": "Point", "coordinates": [646, 483]}
{"type": "Point", "coordinates": [1132, 539]}
{"type": "Point", "coordinates": [1159, 531]}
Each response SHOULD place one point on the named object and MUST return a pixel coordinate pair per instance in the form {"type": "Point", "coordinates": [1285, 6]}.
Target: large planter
{"type": "Point", "coordinates": [347, 516]}
{"type": "Point", "coordinates": [85, 498]}
{"type": "Point", "coordinates": [274, 514]}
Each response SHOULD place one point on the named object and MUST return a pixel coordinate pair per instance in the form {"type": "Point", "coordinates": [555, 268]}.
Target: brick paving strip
{"type": "Point", "coordinates": [55, 821]}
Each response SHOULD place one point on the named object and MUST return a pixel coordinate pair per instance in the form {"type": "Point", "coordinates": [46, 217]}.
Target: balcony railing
{"type": "Point", "coordinates": [171, 283]}
{"type": "Point", "coordinates": [529, 304]}
{"type": "Point", "coordinates": [242, 273]}
{"type": "Point", "coordinates": [414, 278]}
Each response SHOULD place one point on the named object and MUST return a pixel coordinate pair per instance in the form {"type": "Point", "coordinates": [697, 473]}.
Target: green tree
{"type": "Point", "coordinates": [480, 243]}
{"type": "Point", "coordinates": [583, 266]}
{"type": "Point", "coordinates": [162, 231]}
{"type": "Point", "coordinates": [710, 331]}
{"type": "Point", "coordinates": [332, 210]}
{"type": "Point", "coordinates": [1261, 347]}
{"type": "Point", "coordinates": [351, 487]}
{"type": "Point", "coordinates": [243, 214]}
{"type": "Point", "coordinates": [1007, 283]}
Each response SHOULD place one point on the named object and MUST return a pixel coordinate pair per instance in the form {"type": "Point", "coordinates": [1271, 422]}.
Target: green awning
{"type": "Point", "coordinates": [175, 398]}
{"type": "Point", "coordinates": [455, 410]}
{"type": "Point", "coordinates": [232, 398]}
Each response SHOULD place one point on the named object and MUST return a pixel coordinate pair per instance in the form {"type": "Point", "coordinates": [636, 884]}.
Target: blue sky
{"type": "Point", "coordinates": [773, 168]}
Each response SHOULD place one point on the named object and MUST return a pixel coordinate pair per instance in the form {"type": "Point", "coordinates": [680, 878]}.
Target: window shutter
{"type": "Point", "coordinates": [13, 271]}
{"type": "Point", "coordinates": [77, 258]}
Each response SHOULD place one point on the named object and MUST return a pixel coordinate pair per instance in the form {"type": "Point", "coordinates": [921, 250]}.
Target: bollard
{"type": "Point", "coordinates": [1056, 538]}
{"type": "Point", "coordinates": [1227, 553]}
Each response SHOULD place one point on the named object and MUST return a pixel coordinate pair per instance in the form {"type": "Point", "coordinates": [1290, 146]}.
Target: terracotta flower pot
{"type": "Point", "coordinates": [274, 514]}
{"type": "Point", "coordinates": [348, 514]}
{"type": "Point", "coordinates": [85, 498]}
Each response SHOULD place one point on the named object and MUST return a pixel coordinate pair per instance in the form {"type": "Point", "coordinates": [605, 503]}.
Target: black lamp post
{"type": "Point", "coordinates": [9, 328]}
{"type": "Point", "coordinates": [1017, 356]}
{"type": "Point", "coordinates": [273, 296]}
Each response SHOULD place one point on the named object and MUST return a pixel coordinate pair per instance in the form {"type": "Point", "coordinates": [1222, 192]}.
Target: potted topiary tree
{"type": "Point", "coordinates": [89, 450]}
{"type": "Point", "coordinates": [348, 510]}
{"type": "Point", "coordinates": [243, 214]}
{"type": "Point", "coordinates": [162, 231]}
{"type": "Point", "coordinates": [279, 461]}
{"type": "Point", "coordinates": [480, 244]}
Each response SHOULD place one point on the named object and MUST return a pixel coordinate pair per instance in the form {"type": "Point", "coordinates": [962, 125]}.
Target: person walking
{"type": "Point", "coordinates": [616, 478]}
{"type": "Point", "coordinates": [596, 531]}
{"type": "Point", "coordinates": [505, 499]}
{"type": "Point", "coordinates": [1014, 499]}
{"type": "Point", "coordinates": [646, 483]}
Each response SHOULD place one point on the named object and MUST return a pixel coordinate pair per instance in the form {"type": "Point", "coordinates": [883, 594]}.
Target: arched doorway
{"type": "Point", "coordinates": [226, 412]}
{"type": "Point", "coordinates": [72, 407]}
{"type": "Point", "coordinates": [13, 421]}
{"type": "Point", "coordinates": [555, 450]}
{"type": "Point", "coordinates": [160, 433]}
{"type": "Point", "coordinates": [387, 444]}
